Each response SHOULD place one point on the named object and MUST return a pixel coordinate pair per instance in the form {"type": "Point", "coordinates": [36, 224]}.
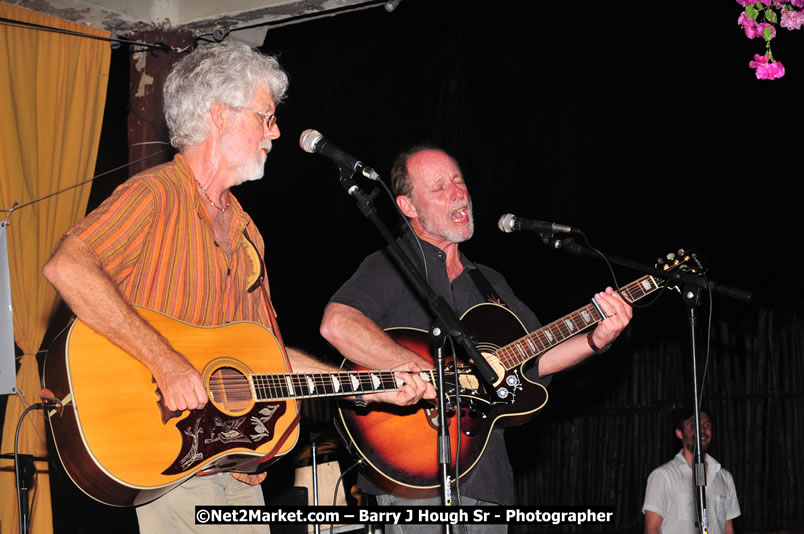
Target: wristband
{"type": "Point", "coordinates": [359, 401]}
{"type": "Point", "coordinates": [595, 348]}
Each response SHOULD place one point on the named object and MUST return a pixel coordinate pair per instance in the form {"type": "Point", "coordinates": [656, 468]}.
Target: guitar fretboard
{"type": "Point", "coordinates": [308, 385]}
{"type": "Point", "coordinates": [549, 336]}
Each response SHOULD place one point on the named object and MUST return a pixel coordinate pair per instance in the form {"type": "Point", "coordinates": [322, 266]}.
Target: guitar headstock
{"type": "Point", "coordinates": [687, 261]}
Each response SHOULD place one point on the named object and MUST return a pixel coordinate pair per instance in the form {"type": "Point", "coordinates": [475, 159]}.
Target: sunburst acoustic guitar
{"type": "Point", "coordinates": [399, 444]}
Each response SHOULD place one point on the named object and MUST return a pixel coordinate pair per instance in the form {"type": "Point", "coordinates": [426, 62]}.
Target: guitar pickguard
{"type": "Point", "coordinates": [507, 389]}
{"type": "Point", "coordinates": [209, 432]}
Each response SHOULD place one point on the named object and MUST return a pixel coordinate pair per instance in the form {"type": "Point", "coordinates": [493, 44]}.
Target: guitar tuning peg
{"type": "Point", "coordinates": [660, 261]}
{"type": "Point", "coordinates": [671, 256]}
{"type": "Point", "coordinates": [681, 252]}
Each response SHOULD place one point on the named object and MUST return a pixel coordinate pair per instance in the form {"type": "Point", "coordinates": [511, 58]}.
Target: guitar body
{"type": "Point", "coordinates": [120, 444]}
{"type": "Point", "coordinates": [399, 444]}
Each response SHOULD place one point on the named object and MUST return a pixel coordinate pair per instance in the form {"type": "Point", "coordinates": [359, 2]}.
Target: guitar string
{"type": "Point", "coordinates": [512, 355]}
{"type": "Point", "coordinates": [362, 385]}
{"type": "Point", "coordinates": [278, 383]}
{"type": "Point", "coordinates": [509, 355]}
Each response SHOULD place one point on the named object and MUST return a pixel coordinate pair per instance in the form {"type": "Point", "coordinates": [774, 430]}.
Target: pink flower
{"type": "Point", "coordinates": [792, 20]}
{"type": "Point", "coordinates": [750, 26]}
{"type": "Point", "coordinates": [746, 2]}
{"type": "Point", "coordinates": [764, 25]}
{"type": "Point", "coordinates": [765, 69]}
{"type": "Point", "coordinates": [797, 3]}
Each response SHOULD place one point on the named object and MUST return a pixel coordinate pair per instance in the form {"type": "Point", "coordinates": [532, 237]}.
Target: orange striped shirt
{"type": "Point", "coordinates": [155, 240]}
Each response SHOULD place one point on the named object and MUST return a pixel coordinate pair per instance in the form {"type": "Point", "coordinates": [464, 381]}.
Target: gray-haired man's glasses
{"type": "Point", "coordinates": [269, 118]}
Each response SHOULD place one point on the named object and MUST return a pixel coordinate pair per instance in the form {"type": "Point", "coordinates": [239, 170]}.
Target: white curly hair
{"type": "Point", "coordinates": [224, 72]}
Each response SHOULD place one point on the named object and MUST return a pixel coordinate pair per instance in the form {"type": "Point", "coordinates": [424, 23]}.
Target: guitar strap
{"type": "Point", "coordinates": [258, 280]}
{"type": "Point", "coordinates": [484, 286]}
{"type": "Point", "coordinates": [262, 282]}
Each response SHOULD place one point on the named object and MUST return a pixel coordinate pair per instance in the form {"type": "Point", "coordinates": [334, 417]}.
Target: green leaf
{"type": "Point", "coordinates": [770, 16]}
{"type": "Point", "coordinates": [751, 11]}
{"type": "Point", "coordinates": [767, 33]}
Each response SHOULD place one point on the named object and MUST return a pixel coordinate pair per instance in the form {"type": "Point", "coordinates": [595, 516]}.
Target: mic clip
{"type": "Point", "coordinates": [568, 244]}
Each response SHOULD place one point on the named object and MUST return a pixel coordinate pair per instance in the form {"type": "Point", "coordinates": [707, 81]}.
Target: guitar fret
{"type": "Point", "coordinates": [559, 331]}
{"type": "Point", "coordinates": [556, 332]}
{"type": "Point", "coordinates": [355, 383]}
{"type": "Point", "coordinates": [319, 382]}
{"type": "Point", "coordinates": [256, 388]}
{"type": "Point", "coordinates": [280, 386]}
{"type": "Point", "coordinates": [549, 336]}
{"type": "Point", "coordinates": [540, 340]}
{"type": "Point", "coordinates": [511, 356]}
{"type": "Point", "coordinates": [265, 387]}
{"type": "Point", "coordinates": [298, 385]}
{"type": "Point", "coordinates": [289, 384]}
{"type": "Point", "coordinates": [389, 381]}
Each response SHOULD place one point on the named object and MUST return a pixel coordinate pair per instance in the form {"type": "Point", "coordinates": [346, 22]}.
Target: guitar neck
{"type": "Point", "coordinates": [269, 387]}
{"type": "Point", "coordinates": [547, 337]}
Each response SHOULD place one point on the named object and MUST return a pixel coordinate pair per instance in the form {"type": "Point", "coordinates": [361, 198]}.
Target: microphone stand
{"type": "Point", "coordinates": [692, 300]}
{"type": "Point", "coordinates": [314, 466]}
{"type": "Point", "coordinates": [24, 469]}
{"type": "Point", "coordinates": [690, 281]}
{"type": "Point", "coordinates": [445, 318]}
{"type": "Point", "coordinates": [438, 339]}
{"type": "Point", "coordinates": [691, 286]}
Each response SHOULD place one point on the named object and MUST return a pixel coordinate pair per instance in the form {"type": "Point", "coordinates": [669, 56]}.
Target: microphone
{"type": "Point", "coordinates": [509, 223]}
{"type": "Point", "coordinates": [390, 5]}
{"type": "Point", "coordinates": [313, 142]}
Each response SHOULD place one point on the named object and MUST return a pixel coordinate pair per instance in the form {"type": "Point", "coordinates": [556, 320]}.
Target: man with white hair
{"type": "Point", "coordinates": [175, 239]}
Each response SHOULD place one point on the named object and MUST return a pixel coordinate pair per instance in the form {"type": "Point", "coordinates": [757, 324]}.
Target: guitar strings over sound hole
{"type": "Point", "coordinates": [229, 389]}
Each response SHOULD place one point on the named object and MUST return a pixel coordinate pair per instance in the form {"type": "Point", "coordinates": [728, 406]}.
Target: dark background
{"type": "Point", "coordinates": [641, 124]}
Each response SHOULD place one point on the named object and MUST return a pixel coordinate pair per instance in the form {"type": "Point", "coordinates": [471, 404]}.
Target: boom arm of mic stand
{"type": "Point", "coordinates": [444, 314]}
{"type": "Point", "coordinates": [683, 278]}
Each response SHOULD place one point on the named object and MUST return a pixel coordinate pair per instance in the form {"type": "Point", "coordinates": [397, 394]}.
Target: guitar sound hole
{"type": "Point", "coordinates": [229, 389]}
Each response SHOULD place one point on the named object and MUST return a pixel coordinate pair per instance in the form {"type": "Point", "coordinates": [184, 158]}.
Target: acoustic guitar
{"type": "Point", "coordinates": [120, 444]}
{"type": "Point", "coordinates": [399, 444]}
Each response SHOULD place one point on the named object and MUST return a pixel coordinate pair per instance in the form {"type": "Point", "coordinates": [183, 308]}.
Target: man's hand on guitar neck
{"type": "Point", "coordinates": [617, 313]}
{"type": "Point", "coordinates": [414, 389]}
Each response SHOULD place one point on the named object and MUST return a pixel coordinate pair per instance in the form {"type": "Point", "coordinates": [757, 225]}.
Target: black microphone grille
{"type": "Point", "coordinates": [309, 139]}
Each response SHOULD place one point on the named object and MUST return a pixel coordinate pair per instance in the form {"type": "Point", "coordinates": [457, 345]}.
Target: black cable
{"type": "Point", "coordinates": [457, 423]}
{"type": "Point", "coordinates": [708, 346]}
{"type": "Point", "coordinates": [113, 40]}
{"type": "Point", "coordinates": [104, 173]}
{"type": "Point", "coordinates": [23, 525]}
{"type": "Point", "coordinates": [340, 478]}
{"type": "Point", "coordinates": [410, 228]}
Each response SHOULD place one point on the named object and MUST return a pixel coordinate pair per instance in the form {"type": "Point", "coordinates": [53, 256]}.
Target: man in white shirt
{"type": "Point", "coordinates": [670, 494]}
